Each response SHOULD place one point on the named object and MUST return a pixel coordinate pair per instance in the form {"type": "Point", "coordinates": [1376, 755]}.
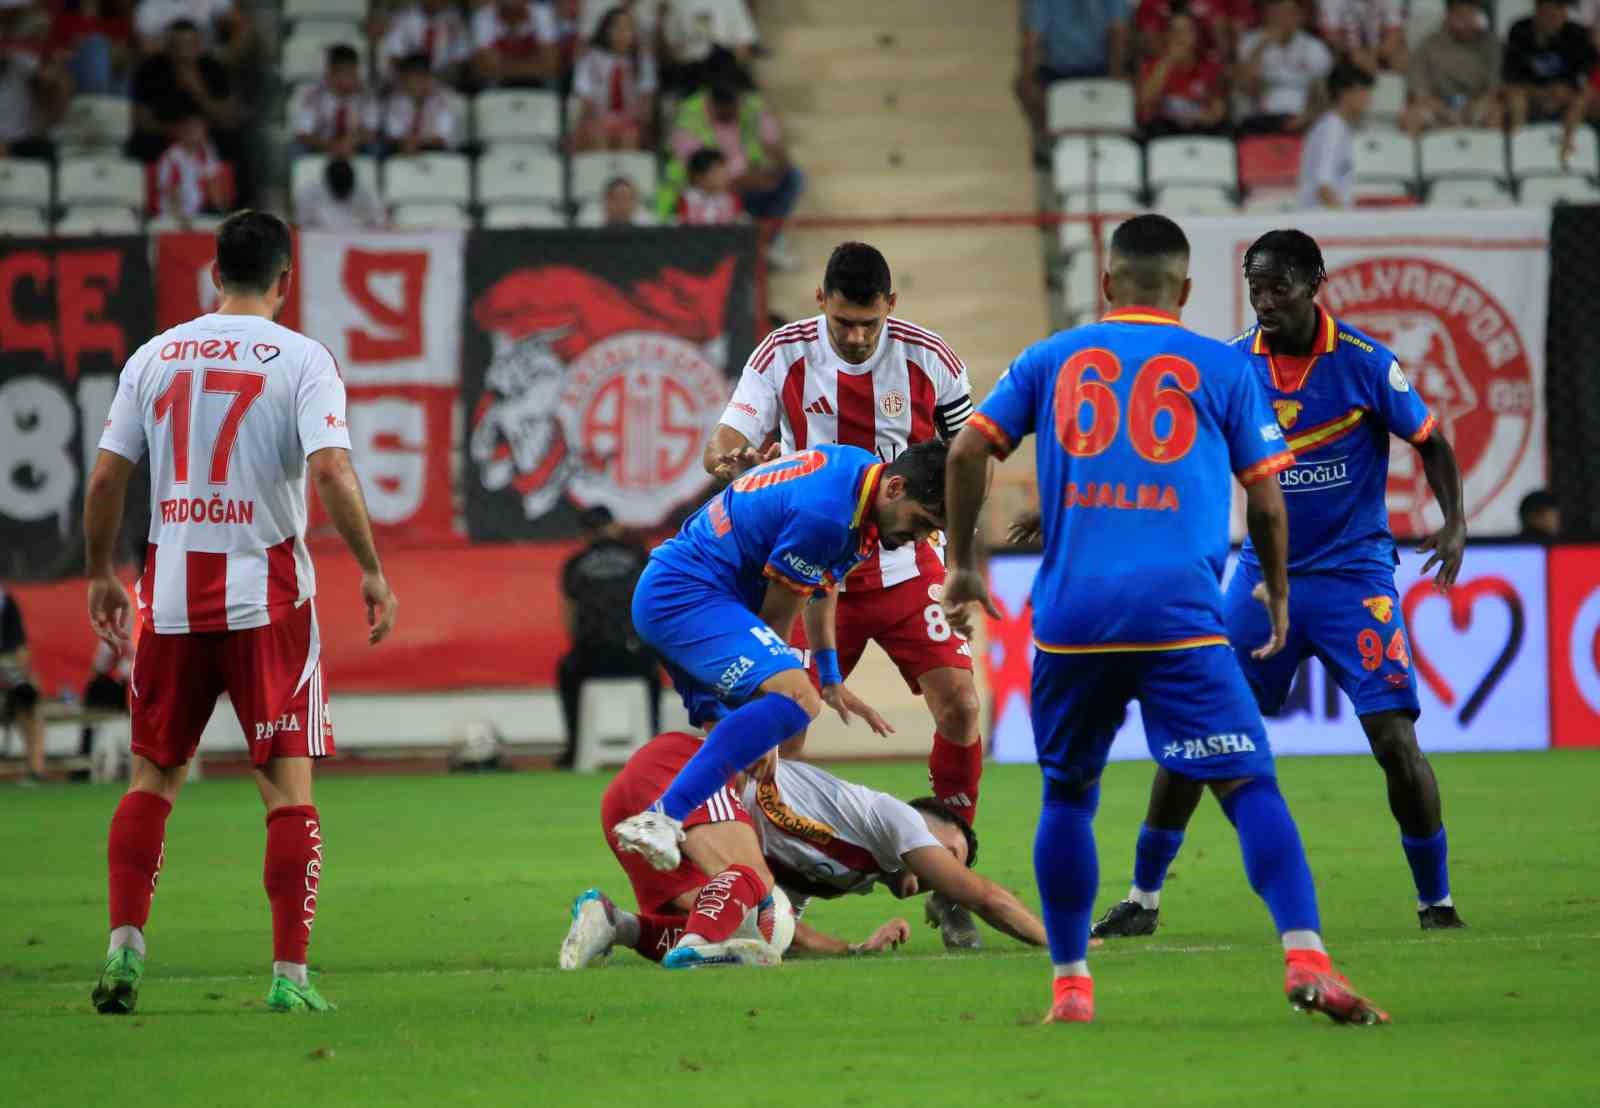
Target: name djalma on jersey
{"type": "Point", "coordinates": [1104, 494]}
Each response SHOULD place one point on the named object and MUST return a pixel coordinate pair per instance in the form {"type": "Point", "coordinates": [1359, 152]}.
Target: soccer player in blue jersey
{"type": "Point", "coordinates": [768, 549]}
{"type": "Point", "coordinates": [1139, 424]}
{"type": "Point", "coordinates": [1338, 394]}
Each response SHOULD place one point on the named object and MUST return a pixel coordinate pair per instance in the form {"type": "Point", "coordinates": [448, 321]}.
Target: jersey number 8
{"type": "Point", "coordinates": [1149, 398]}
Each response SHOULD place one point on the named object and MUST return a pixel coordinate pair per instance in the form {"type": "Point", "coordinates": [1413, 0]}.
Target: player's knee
{"type": "Point", "coordinates": [794, 684]}
{"type": "Point", "coordinates": [956, 715]}
{"type": "Point", "coordinates": [1395, 748]}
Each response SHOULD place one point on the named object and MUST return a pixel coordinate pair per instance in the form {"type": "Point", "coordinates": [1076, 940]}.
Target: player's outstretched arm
{"type": "Point", "coordinates": [103, 501]}
{"type": "Point", "coordinates": [966, 475]}
{"type": "Point", "coordinates": [1448, 544]}
{"type": "Point", "coordinates": [729, 454]}
{"type": "Point", "coordinates": [1267, 519]}
{"type": "Point", "coordinates": [808, 940]}
{"type": "Point", "coordinates": [340, 491]}
{"type": "Point", "coordinates": [938, 871]}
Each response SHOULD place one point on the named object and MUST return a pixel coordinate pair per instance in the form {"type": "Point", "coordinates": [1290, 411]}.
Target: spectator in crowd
{"type": "Point", "coordinates": [33, 98]}
{"type": "Point", "coordinates": [646, 17]}
{"type": "Point", "coordinates": [107, 690]}
{"type": "Point", "coordinates": [739, 125]}
{"type": "Point", "coordinates": [190, 178]}
{"type": "Point", "coordinates": [1548, 60]}
{"type": "Point", "coordinates": [1281, 68]}
{"type": "Point", "coordinates": [1181, 90]}
{"type": "Point", "coordinates": [1453, 78]}
{"type": "Point", "coordinates": [615, 84]}
{"type": "Point", "coordinates": [1540, 516]}
{"type": "Point", "coordinates": [1063, 41]}
{"type": "Point", "coordinates": [1218, 22]}
{"type": "Point", "coordinates": [338, 115]}
{"type": "Point", "coordinates": [597, 601]}
{"type": "Point", "coordinates": [19, 696]}
{"type": "Point", "coordinates": [95, 39]}
{"type": "Point", "coordinates": [705, 40]}
{"type": "Point", "coordinates": [1327, 158]}
{"type": "Point", "coordinates": [417, 115]}
{"type": "Point", "coordinates": [337, 200]}
{"type": "Point", "coordinates": [570, 38]}
{"type": "Point", "coordinates": [709, 200]}
{"type": "Point", "coordinates": [434, 28]}
{"type": "Point", "coordinates": [172, 85]}
{"type": "Point", "coordinates": [618, 207]}
{"type": "Point", "coordinates": [223, 29]}
{"type": "Point", "coordinates": [516, 44]}
{"type": "Point", "coordinates": [1369, 34]}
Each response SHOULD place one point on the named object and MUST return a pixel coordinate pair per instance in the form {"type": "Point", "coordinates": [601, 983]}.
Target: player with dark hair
{"type": "Point", "coordinates": [857, 374]}
{"type": "Point", "coordinates": [235, 411]}
{"type": "Point", "coordinates": [1139, 422]}
{"type": "Point", "coordinates": [1338, 394]}
{"type": "Point", "coordinates": [776, 541]}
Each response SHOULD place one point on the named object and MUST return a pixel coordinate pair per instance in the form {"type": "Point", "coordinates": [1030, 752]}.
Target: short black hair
{"type": "Point", "coordinates": [703, 160]}
{"type": "Point", "coordinates": [724, 90]}
{"type": "Point", "coordinates": [343, 53]}
{"type": "Point", "coordinates": [414, 63]}
{"type": "Point", "coordinates": [1539, 500]}
{"type": "Point", "coordinates": [615, 181]}
{"type": "Point", "coordinates": [1151, 243]}
{"type": "Point", "coordinates": [253, 248]}
{"type": "Point", "coordinates": [939, 810]}
{"type": "Point", "coordinates": [183, 25]}
{"type": "Point", "coordinates": [602, 30]}
{"type": "Point", "coordinates": [1296, 249]}
{"type": "Point", "coordinates": [1346, 76]}
{"type": "Point", "coordinates": [596, 518]}
{"type": "Point", "coordinates": [340, 178]}
{"type": "Point", "coordinates": [922, 468]}
{"type": "Point", "coordinates": [857, 272]}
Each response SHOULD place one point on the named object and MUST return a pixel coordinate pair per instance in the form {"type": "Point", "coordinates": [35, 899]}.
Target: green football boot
{"type": "Point", "coordinates": [118, 990]}
{"type": "Point", "coordinates": [286, 996]}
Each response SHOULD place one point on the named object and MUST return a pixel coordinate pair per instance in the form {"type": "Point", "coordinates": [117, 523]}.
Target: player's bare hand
{"type": "Point", "coordinates": [109, 609]}
{"type": "Point", "coordinates": [1277, 606]}
{"type": "Point", "coordinates": [857, 706]}
{"type": "Point", "coordinates": [381, 606]}
{"type": "Point", "coordinates": [1445, 548]}
{"type": "Point", "coordinates": [960, 622]}
{"type": "Point", "coordinates": [1026, 528]}
{"type": "Point", "coordinates": [735, 462]}
{"type": "Point", "coordinates": [887, 937]}
{"type": "Point", "coordinates": [963, 587]}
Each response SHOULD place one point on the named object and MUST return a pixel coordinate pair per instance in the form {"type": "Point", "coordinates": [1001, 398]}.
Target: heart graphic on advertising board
{"type": "Point", "coordinates": [1462, 600]}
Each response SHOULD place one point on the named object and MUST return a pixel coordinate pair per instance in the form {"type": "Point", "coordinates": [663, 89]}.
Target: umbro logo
{"type": "Point", "coordinates": [820, 406]}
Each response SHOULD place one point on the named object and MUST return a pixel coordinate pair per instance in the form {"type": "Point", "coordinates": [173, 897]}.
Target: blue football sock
{"type": "Point", "coordinates": [743, 735]}
{"type": "Point", "coordinates": [1274, 860]}
{"type": "Point", "coordinates": [1429, 856]}
{"type": "Point", "coordinates": [1067, 869]}
{"type": "Point", "coordinates": [1154, 854]}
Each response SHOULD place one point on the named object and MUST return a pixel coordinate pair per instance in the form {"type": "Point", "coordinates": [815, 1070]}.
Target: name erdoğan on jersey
{"type": "Point", "coordinates": [910, 390]}
{"type": "Point", "coordinates": [229, 407]}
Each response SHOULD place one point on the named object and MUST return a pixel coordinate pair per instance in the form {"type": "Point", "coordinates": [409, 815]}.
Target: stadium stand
{"type": "Point", "coordinates": [1097, 104]}
{"type": "Point", "coordinates": [1461, 152]}
{"type": "Point", "coordinates": [1470, 192]}
{"type": "Point", "coordinates": [520, 175]}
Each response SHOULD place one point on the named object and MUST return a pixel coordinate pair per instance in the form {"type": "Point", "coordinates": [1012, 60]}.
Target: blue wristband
{"type": "Point", "coordinates": [827, 667]}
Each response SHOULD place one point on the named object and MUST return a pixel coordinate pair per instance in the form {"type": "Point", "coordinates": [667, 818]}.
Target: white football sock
{"type": "Point", "coordinates": [126, 936]}
{"type": "Point", "coordinates": [1447, 902]}
{"type": "Point", "coordinates": [294, 971]}
{"type": "Point", "coordinates": [1303, 940]}
{"type": "Point", "coordinates": [1144, 899]}
{"type": "Point", "coordinates": [627, 926]}
{"type": "Point", "coordinates": [1072, 969]}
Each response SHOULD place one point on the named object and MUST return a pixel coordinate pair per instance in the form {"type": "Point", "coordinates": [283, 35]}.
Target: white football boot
{"type": "Point", "coordinates": [691, 953]}
{"type": "Point", "coordinates": [653, 834]}
{"type": "Point", "coordinates": [593, 931]}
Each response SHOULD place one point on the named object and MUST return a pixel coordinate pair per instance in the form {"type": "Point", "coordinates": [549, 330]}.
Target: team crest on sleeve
{"type": "Point", "coordinates": [1397, 378]}
{"type": "Point", "coordinates": [1381, 607]}
{"type": "Point", "coordinates": [1288, 413]}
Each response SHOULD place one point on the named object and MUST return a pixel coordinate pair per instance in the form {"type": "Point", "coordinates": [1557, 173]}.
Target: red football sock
{"type": "Point", "coordinates": [658, 934]}
{"type": "Point", "coordinates": [1316, 959]}
{"type": "Point", "coordinates": [134, 851]}
{"type": "Point", "coordinates": [723, 903]}
{"type": "Point", "coordinates": [292, 874]}
{"type": "Point", "coordinates": [953, 771]}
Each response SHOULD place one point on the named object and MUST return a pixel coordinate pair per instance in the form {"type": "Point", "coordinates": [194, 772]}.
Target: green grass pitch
{"type": "Point", "coordinates": [444, 900]}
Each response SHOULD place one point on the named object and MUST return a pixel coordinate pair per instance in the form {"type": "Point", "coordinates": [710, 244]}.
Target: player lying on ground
{"type": "Point", "coordinates": [235, 411]}
{"type": "Point", "coordinates": [1139, 424]}
{"type": "Point", "coordinates": [820, 836]}
{"type": "Point", "coordinates": [857, 375]}
{"type": "Point", "coordinates": [1339, 394]}
{"type": "Point", "coordinates": [711, 600]}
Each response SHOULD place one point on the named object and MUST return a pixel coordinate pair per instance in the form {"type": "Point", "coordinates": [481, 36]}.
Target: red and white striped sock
{"type": "Point", "coordinates": [658, 934]}
{"type": "Point", "coordinates": [292, 876]}
{"type": "Point", "coordinates": [954, 771]}
{"type": "Point", "coordinates": [723, 903]}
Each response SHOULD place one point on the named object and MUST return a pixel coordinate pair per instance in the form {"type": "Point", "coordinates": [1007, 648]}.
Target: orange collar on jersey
{"type": "Point", "coordinates": [1137, 313]}
{"type": "Point", "coordinates": [869, 527]}
{"type": "Point", "coordinates": [1327, 327]}
{"type": "Point", "coordinates": [1325, 323]}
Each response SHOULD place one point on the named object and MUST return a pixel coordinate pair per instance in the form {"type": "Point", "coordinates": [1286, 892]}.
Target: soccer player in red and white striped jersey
{"type": "Point", "coordinates": [857, 375]}
{"type": "Point", "coordinates": [235, 411]}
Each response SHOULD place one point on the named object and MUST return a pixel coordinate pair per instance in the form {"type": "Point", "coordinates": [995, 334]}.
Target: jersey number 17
{"type": "Point", "coordinates": [173, 407]}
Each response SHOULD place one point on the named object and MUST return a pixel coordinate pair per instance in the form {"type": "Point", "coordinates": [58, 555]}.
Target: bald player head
{"type": "Point", "coordinates": [1148, 265]}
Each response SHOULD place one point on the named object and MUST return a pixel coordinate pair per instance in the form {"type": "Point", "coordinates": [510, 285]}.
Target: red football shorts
{"type": "Point", "coordinates": [272, 675]}
{"type": "Point", "coordinates": [640, 784]}
{"type": "Point", "coordinates": [906, 620]}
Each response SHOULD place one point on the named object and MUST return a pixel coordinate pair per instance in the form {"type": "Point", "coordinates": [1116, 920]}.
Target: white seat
{"type": "Point", "coordinates": [1078, 234]}
{"type": "Point", "coordinates": [1549, 191]}
{"type": "Point", "coordinates": [410, 178]}
{"type": "Point", "coordinates": [1192, 161]}
{"type": "Point", "coordinates": [305, 51]}
{"type": "Point", "coordinates": [173, 223]}
{"type": "Point", "coordinates": [1388, 99]}
{"type": "Point", "coordinates": [590, 172]}
{"type": "Point", "coordinates": [1195, 200]}
{"type": "Point", "coordinates": [498, 217]}
{"type": "Point", "coordinates": [1470, 193]}
{"type": "Point", "coordinates": [433, 215]}
{"type": "Point", "coordinates": [98, 219]}
{"type": "Point", "coordinates": [1536, 152]}
{"type": "Point", "coordinates": [1382, 190]}
{"type": "Point", "coordinates": [1383, 155]}
{"type": "Point", "coordinates": [318, 10]}
{"type": "Point", "coordinates": [24, 181]}
{"type": "Point", "coordinates": [520, 173]}
{"type": "Point", "coordinates": [1423, 18]}
{"type": "Point", "coordinates": [1271, 201]}
{"type": "Point", "coordinates": [1462, 152]}
{"type": "Point", "coordinates": [1081, 283]}
{"type": "Point", "coordinates": [111, 180]}
{"type": "Point", "coordinates": [1507, 12]}
{"type": "Point", "coordinates": [592, 213]}
{"type": "Point", "coordinates": [309, 167]}
{"type": "Point", "coordinates": [516, 115]}
{"type": "Point", "coordinates": [23, 221]}
{"type": "Point", "coordinates": [1102, 163]}
{"type": "Point", "coordinates": [94, 123]}
{"type": "Point", "coordinates": [613, 722]}
{"type": "Point", "coordinates": [1096, 104]}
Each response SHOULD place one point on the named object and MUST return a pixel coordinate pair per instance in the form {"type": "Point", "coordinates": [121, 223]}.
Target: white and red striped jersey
{"type": "Point", "coordinates": [533, 27]}
{"type": "Point", "coordinates": [912, 389]}
{"type": "Point", "coordinates": [614, 84]}
{"type": "Point", "coordinates": [229, 407]}
{"type": "Point", "coordinates": [325, 113]}
{"type": "Point", "coordinates": [441, 35]}
{"type": "Point", "coordinates": [181, 178]}
{"type": "Point", "coordinates": [430, 119]}
{"type": "Point", "coordinates": [820, 833]}
{"type": "Point", "coordinates": [698, 208]}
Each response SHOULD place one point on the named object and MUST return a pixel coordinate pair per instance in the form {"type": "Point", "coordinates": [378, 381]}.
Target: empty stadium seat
{"type": "Point", "coordinates": [1470, 193]}
{"type": "Point", "coordinates": [98, 219]}
{"type": "Point", "coordinates": [421, 178]}
{"type": "Point", "coordinates": [520, 174]}
{"type": "Point", "coordinates": [1272, 201]}
{"type": "Point", "coordinates": [1078, 234]}
{"type": "Point", "coordinates": [592, 213]}
{"type": "Point", "coordinates": [1102, 163]}
{"type": "Point", "coordinates": [1388, 100]}
{"type": "Point", "coordinates": [305, 51]}
{"type": "Point", "coordinates": [1559, 190]}
{"type": "Point", "coordinates": [516, 115]}
{"type": "Point", "coordinates": [94, 123]}
{"type": "Point", "coordinates": [502, 216]}
{"type": "Point", "coordinates": [106, 180]}
{"type": "Point", "coordinates": [23, 221]}
{"type": "Point", "coordinates": [590, 172]}
{"type": "Point", "coordinates": [309, 167]}
{"type": "Point", "coordinates": [1192, 161]}
{"type": "Point", "coordinates": [1269, 161]}
{"type": "Point", "coordinates": [433, 216]}
{"type": "Point", "coordinates": [1423, 18]}
{"type": "Point", "coordinates": [1384, 155]}
{"type": "Point", "coordinates": [1195, 200]}
{"type": "Point", "coordinates": [1536, 152]}
{"type": "Point", "coordinates": [1462, 152]}
{"type": "Point", "coordinates": [1081, 284]}
{"type": "Point", "coordinates": [1095, 104]}
{"type": "Point", "coordinates": [24, 182]}
{"type": "Point", "coordinates": [1384, 194]}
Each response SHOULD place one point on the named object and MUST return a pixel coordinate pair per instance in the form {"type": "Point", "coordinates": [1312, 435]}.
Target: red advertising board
{"type": "Point", "coordinates": [1575, 646]}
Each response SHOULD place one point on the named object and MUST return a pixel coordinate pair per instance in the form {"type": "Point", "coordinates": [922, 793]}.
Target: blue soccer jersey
{"type": "Point", "coordinates": [1337, 409]}
{"type": "Point", "coordinates": [1139, 423]}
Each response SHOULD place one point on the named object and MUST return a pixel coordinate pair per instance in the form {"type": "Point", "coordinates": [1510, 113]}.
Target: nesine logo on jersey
{"type": "Point", "coordinates": [803, 567]}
